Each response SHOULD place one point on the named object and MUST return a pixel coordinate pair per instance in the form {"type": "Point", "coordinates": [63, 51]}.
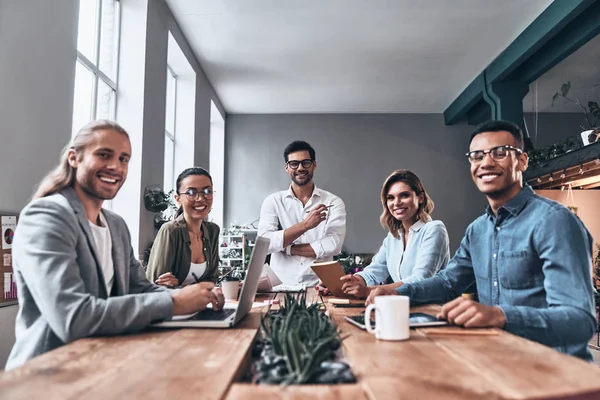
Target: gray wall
{"type": "Point", "coordinates": [553, 127]}
{"type": "Point", "coordinates": [355, 153]}
{"type": "Point", "coordinates": [37, 73]}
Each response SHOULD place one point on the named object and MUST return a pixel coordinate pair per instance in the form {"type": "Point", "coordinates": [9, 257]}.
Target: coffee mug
{"type": "Point", "coordinates": [391, 317]}
{"type": "Point", "coordinates": [230, 289]}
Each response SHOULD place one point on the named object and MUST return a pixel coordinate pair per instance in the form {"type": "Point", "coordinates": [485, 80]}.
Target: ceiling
{"type": "Point", "coordinates": [348, 56]}
{"type": "Point", "coordinates": [582, 69]}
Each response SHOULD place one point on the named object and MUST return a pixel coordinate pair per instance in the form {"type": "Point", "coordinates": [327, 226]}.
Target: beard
{"type": "Point", "coordinates": [91, 186]}
{"type": "Point", "coordinates": [304, 182]}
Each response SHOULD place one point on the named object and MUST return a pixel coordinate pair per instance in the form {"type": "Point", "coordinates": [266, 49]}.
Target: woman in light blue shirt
{"type": "Point", "coordinates": [415, 248]}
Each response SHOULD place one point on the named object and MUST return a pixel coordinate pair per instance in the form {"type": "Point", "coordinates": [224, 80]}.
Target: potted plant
{"type": "Point", "coordinates": [160, 203]}
{"type": "Point", "coordinates": [351, 263]}
{"type": "Point", "coordinates": [299, 346]}
{"type": "Point", "coordinates": [591, 133]}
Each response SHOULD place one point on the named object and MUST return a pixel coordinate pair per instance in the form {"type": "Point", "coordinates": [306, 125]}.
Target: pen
{"type": "Point", "coordinates": [325, 206]}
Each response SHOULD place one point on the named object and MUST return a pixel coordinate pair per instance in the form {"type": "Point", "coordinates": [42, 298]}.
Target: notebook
{"type": "Point", "coordinates": [229, 317]}
{"type": "Point", "coordinates": [330, 272]}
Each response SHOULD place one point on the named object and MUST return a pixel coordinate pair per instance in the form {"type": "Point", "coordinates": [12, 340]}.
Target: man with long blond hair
{"type": "Point", "coordinates": [76, 272]}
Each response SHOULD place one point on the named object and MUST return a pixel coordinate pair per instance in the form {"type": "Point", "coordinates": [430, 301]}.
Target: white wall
{"type": "Point", "coordinates": [141, 107]}
{"type": "Point", "coordinates": [355, 153]}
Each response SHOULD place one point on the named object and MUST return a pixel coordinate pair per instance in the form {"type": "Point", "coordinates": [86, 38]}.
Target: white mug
{"type": "Point", "coordinates": [230, 289]}
{"type": "Point", "coordinates": [391, 317]}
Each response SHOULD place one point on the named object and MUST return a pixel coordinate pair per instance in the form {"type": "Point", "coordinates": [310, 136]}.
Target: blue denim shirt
{"type": "Point", "coordinates": [533, 261]}
{"type": "Point", "coordinates": [427, 251]}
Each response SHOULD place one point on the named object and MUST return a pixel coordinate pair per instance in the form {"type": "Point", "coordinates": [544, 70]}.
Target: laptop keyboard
{"type": "Point", "coordinates": [211, 315]}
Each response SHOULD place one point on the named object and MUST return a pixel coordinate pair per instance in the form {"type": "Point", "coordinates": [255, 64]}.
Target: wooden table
{"type": "Point", "coordinates": [206, 364]}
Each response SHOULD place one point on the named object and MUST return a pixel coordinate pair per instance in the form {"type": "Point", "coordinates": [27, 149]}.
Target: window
{"type": "Point", "coordinates": [169, 176]}
{"type": "Point", "coordinates": [97, 62]}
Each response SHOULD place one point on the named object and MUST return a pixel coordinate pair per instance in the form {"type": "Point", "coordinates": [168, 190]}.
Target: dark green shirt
{"type": "Point", "coordinates": [171, 251]}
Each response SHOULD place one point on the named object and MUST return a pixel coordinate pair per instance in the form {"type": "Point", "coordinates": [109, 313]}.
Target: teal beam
{"type": "Point", "coordinates": [548, 24]}
{"type": "Point", "coordinates": [481, 112]}
{"type": "Point", "coordinates": [545, 27]}
{"type": "Point", "coordinates": [472, 95]}
{"type": "Point", "coordinates": [580, 31]}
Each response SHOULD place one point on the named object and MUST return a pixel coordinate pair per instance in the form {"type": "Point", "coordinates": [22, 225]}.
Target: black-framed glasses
{"type": "Point", "coordinates": [294, 164]}
{"type": "Point", "coordinates": [498, 153]}
{"type": "Point", "coordinates": [194, 194]}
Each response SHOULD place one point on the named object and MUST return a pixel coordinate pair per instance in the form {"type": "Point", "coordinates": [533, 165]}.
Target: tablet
{"type": "Point", "coordinates": [416, 320]}
{"type": "Point", "coordinates": [330, 272]}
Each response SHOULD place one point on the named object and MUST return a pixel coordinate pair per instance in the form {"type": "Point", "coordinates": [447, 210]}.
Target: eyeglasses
{"type": "Point", "coordinates": [498, 153]}
{"type": "Point", "coordinates": [294, 164]}
{"type": "Point", "coordinates": [194, 194]}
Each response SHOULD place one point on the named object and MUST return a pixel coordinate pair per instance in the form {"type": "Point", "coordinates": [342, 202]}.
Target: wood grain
{"type": "Point", "coordinates": [206, 363]}
{"type": "Point", "coordinates": [240, 391]}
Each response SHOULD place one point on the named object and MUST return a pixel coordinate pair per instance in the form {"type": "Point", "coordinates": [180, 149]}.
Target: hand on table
{"type": "Point", "coordinates": [380, 291]}
{"type": "Point", "coordinates": [355, 285]}
{"type": "Point", "coordinates": [193, 298]}
{"type": "Point", "coordinates": [167, 279]}
{"type": "Point", "coordinates": [471, 314]}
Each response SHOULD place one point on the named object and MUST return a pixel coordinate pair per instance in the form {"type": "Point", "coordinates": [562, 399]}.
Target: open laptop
{"type": "Point", "coordinates": [228, 317]}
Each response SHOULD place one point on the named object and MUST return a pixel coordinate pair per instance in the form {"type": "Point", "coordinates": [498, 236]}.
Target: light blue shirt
{"type": "Point", "coordinates": [427, 251]}
{"type": "Point", "coordinates": [534, 261]}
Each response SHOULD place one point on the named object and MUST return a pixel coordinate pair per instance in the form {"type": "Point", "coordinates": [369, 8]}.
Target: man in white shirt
{"type": "Point", "coordinates": [304, 223]}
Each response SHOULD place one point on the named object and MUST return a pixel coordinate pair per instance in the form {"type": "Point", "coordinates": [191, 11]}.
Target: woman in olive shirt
{"type": "Point", "coordinates": [187, 248]}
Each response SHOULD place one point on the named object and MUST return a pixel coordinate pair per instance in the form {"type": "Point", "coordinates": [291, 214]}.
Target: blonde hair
{"type": "Point", "coordinates": [425, 208]}
{"type": "Point", "coordinates": [63, 175]}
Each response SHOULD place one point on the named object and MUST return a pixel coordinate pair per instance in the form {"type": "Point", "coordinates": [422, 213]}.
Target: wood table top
{"type": "Point", "coordinates": [207, 364]}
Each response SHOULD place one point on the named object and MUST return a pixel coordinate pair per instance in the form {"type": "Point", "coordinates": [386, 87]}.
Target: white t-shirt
{"type": "Point", "coordinates": [198, 270]}
{"type": "Point", "coordinates": [104, 251]}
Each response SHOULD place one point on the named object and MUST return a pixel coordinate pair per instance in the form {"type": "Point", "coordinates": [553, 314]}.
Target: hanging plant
{"type": "Point", "coordinates": [591, 112]}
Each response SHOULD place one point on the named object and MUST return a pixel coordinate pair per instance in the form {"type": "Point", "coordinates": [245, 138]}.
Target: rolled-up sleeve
{"type": "Point", "coordinates": [269, 226]}
{"type": "Point", "coordinates": [331, 243]}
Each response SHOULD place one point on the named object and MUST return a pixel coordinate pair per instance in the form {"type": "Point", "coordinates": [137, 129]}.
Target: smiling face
{"type": "Point", "coordinates": [198, 205]}
{"type": "Point", "coordinates": [101, 167]}
{"type": "Point", "coordinates": [302, 175]}
{"type": "Point", "coordinates": [403, 202]}
{"type": "Point", "coordinates": [499, 180]}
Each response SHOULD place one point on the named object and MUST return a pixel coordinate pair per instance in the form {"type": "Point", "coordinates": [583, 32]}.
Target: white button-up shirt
{"type": "Point", "coordinates": [282, 210]}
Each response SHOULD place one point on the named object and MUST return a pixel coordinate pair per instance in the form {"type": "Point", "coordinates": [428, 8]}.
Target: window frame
{"type": "Point", "coordinates": [171, 135]}
{"type": "Point", "coordinates": [94, 68]}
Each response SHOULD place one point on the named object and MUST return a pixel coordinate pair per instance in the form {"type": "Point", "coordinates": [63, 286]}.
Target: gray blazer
{"type": "Point", "coordinates": [61, 290]}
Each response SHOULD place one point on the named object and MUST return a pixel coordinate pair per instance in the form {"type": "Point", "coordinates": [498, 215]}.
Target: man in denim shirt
{"type": "Point", "coordinates": [530, 256]}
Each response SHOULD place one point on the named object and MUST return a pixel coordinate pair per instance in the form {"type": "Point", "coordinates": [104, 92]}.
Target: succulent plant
{"type": "Point", "coordinates": [300, 344]}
